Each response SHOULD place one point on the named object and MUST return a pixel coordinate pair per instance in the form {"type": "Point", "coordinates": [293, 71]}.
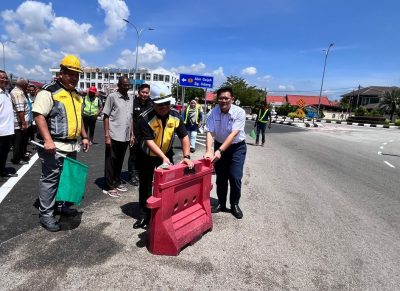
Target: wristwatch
{"type": "Point", "coordinates": [221, 151]}
{"type": "Point", "coordinates": [186, 157]}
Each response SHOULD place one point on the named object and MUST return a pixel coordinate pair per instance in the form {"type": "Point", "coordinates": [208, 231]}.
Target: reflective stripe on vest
{"type": "Point", "coordinates": [65, 118]}
{"type": "Point", "coordinates": [261, 119]}
{"type": "Point", "coordinates": [91, 107]}
{"type": "Point", "coordinates": [163, 137]}
{"type": "Point", "coordinates": [197, 114]}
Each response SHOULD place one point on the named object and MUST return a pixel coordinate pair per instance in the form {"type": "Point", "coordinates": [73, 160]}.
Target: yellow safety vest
{"type": "Point", "coordinates": [187, 114]}
{"type": "Point", "coordinates": [261, 118]}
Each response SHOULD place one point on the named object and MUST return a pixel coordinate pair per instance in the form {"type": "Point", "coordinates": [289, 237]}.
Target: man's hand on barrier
{"type": "Point", "coordinates": [166, 161]}
{"type": "Point", "coordinates": [217, 156]}
{"type": "Point", "coordinates": [188, 162]}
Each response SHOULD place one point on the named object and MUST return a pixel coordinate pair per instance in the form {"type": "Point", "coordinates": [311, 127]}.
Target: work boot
{"type": "Point", "coordinates": [50, 223]}
{"type": "Point", "coordinates": [65, 210]}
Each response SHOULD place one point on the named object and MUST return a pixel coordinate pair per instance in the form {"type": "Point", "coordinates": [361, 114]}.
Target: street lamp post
{"type": "Point", "coordinates": [3, 43]}
{"type": "Point", "coordinates": [138, 34]}
{"type": "Point", "coordinates": [323, 76]}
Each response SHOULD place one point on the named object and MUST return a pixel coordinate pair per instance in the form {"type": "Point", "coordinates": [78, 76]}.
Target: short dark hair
{"type": "Point", "coordinates": [1, 71]}
{"type": "Point", "coordinates": [224, 89]}
{"type": "Point", "coordinates": [141, 87]}
{"type": "Point", "coordinates": [120, 79]}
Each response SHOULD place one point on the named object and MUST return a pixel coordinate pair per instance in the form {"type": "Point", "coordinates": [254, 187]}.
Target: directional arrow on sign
{"type": "Point", "coordinates": [183, 79]}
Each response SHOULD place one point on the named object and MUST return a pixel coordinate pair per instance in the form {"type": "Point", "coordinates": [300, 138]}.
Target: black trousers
{"type": "Point", "coordinates": [20, 144]}
{"type": "Point", "coordinates": [5, 142]}
{"type": "Point", "coordinates": [147, 165]}
{"type": "Point", "coordinates": [114, 158]}
{"type": "Point", "coordinates": [230, 169]}
{"type": "Point", "coordinates": [89, 122]}
{"type": "Point", "coordinates": [134, 151]}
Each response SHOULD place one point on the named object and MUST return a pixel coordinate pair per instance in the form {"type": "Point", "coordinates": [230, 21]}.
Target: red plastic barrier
{"type": "Point", "coordinates": [180, 207]}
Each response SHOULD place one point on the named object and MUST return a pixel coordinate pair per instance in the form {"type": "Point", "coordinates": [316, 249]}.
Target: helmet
{"type": "Point", "coordinates": [92, 89]}
{"type": "Point", "coordinates": [72, 63]}
{"type": "Point", "coordinates": [160, 94]}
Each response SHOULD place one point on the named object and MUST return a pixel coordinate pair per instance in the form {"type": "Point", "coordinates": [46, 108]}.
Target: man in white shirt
{"type": "Point", "coordinates": [225, 126]}
{"type": "Point", "coordinates": [6, 126]}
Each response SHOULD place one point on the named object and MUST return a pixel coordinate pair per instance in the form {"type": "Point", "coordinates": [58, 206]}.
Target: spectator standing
{"type": "Point", "coordinates": [192, 120]}
{"type": "Point", "coordinates": [118, 132]}
{"type": "Point", "coordinates": [140, 104]}
{"type": "Point", "coordinates": [263, 117]}
{"type": "Point", "coordinates": [6, 126]}
{"type": "Point", "coordinates": [58, 115]}
{"type": "Point", "coordinates": [156, 128]}
{"type": "Point", "coordinates": [226, 126]}
{"type": "Point", "coordinates": [32, 130]}
{"type": "Point", "coordinates": [91, 110]}
{"type": "Point", "coordinates": [22, 121]}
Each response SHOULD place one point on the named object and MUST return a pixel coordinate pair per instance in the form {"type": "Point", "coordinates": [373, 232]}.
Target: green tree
{"type": "Point", "coordinates": [248, 95]}
{"type": "Point", "coordinates": [390, 102]}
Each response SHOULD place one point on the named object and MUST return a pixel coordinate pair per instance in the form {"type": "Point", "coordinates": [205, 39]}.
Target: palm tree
{"type": "Point", "coordinates": [390, 101]}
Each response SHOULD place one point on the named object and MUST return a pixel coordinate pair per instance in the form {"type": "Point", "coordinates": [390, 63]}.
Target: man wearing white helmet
{"type": "Point", "coordinates": [156, 128]}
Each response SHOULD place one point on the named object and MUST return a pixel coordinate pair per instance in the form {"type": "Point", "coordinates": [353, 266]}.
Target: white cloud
{"type": "Point", "coordinates": [249, 71]}
{"type": "Point", "coordinates": [265, 78]}
{"type": "Point", "coordinates": [286, 87]}
{"type": "Point", "coordinates": [36, 71]}
{"type": "Point", "coordinates": [149, 56]}
{"type": "Point", "coordinates": [115, 11]}
{"type": "Point", "coordinates": [282, 87]}
{"type": "Point", "coordinates": [219, 76]}
{"type": "Point", "coordinates": [194, 68]}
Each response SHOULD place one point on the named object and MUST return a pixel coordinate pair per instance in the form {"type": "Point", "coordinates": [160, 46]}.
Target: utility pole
{"type": "Point", "coordinates": [358, 95]}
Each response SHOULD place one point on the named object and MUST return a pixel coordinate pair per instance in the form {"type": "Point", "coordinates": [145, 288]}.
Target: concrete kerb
{"type": "Point", "coordinates": [299, 123]}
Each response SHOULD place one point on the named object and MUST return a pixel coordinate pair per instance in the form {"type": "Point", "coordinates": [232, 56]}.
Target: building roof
{"type": "Point", "coordinates": [276, 99]}
{"type": "Point", "coordinates": [309, 100]}
{"type": "Point", "coordinates": [211, 96]}
{"type": "Point", "coordinates": [372, 91]}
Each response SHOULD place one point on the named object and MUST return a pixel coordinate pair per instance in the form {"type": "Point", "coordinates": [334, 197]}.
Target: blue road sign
{"type": "Point", "coordinates": [311, 114]}
{"type": "Point", "coordinates": [186, 80]}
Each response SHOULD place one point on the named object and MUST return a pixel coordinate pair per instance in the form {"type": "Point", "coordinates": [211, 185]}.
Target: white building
{"type": "Point", "coordinates": [106, 79]}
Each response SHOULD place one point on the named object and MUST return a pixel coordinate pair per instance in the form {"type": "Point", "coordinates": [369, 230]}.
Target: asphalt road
{"type": "Point", "coordinates": [321, 212]}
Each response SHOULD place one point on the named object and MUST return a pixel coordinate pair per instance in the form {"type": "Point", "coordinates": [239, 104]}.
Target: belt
{"type": "Point", "coordinates": [234, 144]}
{"type": "Point", "coordinates": [65, 140]}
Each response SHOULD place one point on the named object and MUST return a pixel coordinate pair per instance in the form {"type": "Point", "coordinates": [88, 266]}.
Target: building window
{"type": "Point", "coordinates": [100, 85]}
{"type": "Point", "coordinates": [148, 76]}
{"type": "Point", "coordinates": [93, 75]}
{"type": "Point", "coordinates": [105, 75]}
{"type": "Point", "coordinates": [155, 77]}
{"type": "Point", "coordinates": [57, 74]}
{"type": "Point", "coordinates": [82, 85]}
{"type": "Point", "coordinates": [82, 75]}
{"type": "Point", "coordinates": [93, 85]}
{"type": "Point", "coordinates": [118, 75]}
{"type": "Point", "coordinates": [111, 76]}
{"type": "Point", "coordinates": [137, 76]}
{"type": "Point", "coordinates": [166, 78]}
{"type": "Point", "coordinates": [160, 77]}
{"type": "Point", "coordinates": [100, 76]}
{"type": "Point", "coordinates": [126, 75]}
{"type": "Point", "coordinates": [87, 85]}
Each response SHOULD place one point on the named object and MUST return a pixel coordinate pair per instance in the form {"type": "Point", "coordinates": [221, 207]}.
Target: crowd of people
{"type": "Point", "coordinates": [64, 121]}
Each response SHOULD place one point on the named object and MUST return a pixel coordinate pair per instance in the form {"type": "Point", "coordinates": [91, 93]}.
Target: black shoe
{"type": "Point", "coordinates": [192, 150]}
{"type": "Point", "coordinates": [50, 223]}
{"type": "Point", "coordinates": [3, 179]}
{"type": "Point", "coordinates": [141, 223]}
{"type": "Point", "coordinates": [134, 181]}
{"type": "Point", "coordinates": [20, 163]}
{"type": "Point", "coordinates": [64, 210]}
{"type": "Point", "coordinates": [218, 208]}
{"type": "Point", "coordinates": [236, 211]}
{"type": "Point", "coordinates": [8, 175]}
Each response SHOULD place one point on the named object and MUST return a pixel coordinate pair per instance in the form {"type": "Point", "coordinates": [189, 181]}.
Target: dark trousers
{"type": "Point", "coordinates": [133, 167]}
{"type": "Point", "coordinates": [147, 165]}
{"type": "Point", "coordinates": [114, 158]}
{"type": "Point", "coordinates": [89, 122]}
{"type": "Point", "coordinates": [230, 169]}
{"type": "Point", "coordinates": [5, 142]}
{"type": "Point", "coordinates": [261, 129]}
{"type": "Point", "coordinates": [20, 144]}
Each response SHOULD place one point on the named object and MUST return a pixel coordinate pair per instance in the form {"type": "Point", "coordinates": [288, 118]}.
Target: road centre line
{"type": "Point", "coordinates": [379, 153]}
{"type": "Point", "coordinates": [389, 164]}
{"type": "Point", "coordinates": [11, 182]}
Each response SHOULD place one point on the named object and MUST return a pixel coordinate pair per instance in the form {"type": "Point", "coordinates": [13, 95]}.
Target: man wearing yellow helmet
{"type": "Point", "coordinates": [58, 115]}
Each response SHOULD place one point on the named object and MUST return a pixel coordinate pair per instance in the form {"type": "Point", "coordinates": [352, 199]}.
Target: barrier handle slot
{"type": "Point", "coordinates": [188, 171]}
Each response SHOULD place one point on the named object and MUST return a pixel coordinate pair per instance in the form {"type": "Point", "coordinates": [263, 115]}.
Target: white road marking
{"type": "Point", "coordinates": [381, 147]}
{"type": "Point", "coordinates": [391, 140]}
{"type": "Point", "coordinates": [379, 153]}
{"type": "Point", "coordinates": [385, 143]}
{"type": "Point", "coordinates": [7, 186]}
{"type": "Point", "coordinates": [201, 143]}
{"type": "Point", "coordinates": [389, 164]}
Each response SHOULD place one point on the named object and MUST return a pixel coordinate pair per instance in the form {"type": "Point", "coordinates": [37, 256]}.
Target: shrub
{"type": "Point", "coordinates": [292, 115]}
{"type": "Point", "coordinates": [397, 122]}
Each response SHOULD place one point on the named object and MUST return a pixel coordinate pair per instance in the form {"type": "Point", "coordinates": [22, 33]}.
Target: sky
{"type": "Point", "coordinates": [275, 45]}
